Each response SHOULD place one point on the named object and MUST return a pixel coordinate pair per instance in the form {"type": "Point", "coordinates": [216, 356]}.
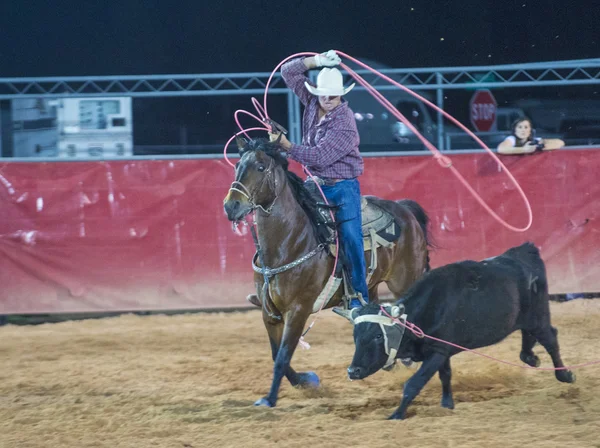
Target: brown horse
{"type": "Point", "coordinates": [292, 242]}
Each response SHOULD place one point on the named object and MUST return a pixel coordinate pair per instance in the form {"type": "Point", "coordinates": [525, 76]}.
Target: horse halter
{"type": "Point", "coordinates": [268, 175]}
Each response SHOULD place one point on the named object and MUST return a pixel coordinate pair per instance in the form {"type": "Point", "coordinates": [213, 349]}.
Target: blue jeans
{"type": "Point", "coordinates": [346, 195]}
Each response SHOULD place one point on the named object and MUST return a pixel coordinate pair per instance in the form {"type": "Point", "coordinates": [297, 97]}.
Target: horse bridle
{"type": "Point", "coordinates": [269, 175]}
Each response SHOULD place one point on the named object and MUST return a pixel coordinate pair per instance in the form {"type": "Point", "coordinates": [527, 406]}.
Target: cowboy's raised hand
{"type": "Point", "coordinates": [327, 59]}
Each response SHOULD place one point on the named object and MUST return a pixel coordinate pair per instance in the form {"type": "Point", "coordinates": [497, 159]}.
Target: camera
{"type": "Point", "coordinates": [538, 145]}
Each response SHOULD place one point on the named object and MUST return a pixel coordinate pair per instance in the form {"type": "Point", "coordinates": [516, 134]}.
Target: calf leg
{"type": "Point", "coordinates": [527, 355]}
{"type": "Point", "coordinates": [416, 382]}
{"type": "Point", "coordinates": [548, 338]}
{"type": "Point", "coordinates": [445, 373]}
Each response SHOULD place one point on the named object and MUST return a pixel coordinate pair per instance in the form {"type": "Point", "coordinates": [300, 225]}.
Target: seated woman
{"type": "Point", "coordinates": [522, 140]}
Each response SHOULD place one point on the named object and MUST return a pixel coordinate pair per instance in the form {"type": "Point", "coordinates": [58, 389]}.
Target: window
{"type": "Point", "coordinates": [118, 122]}
{"type": "Point", "coordinates": [95, 151]}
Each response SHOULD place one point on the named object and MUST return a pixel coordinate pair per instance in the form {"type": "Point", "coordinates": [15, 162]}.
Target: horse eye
{"type": "Point", "coordinates": [379, 336]}
{"type": "Point", "coordinates": [261, 168]}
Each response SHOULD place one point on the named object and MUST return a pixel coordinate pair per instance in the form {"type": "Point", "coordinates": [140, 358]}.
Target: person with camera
{"type": "Point", "coordinates": [524, 141]}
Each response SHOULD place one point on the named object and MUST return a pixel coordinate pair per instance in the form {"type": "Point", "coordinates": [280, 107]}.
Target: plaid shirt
{"type": "Point", "coordinates": [329, 146]}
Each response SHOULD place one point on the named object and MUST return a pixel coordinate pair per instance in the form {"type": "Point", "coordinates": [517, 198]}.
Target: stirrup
{"type": "Point", "coordinates": [348, 298]}
{"type": "Point", "coordinates": [349, 292]}
{"type": "Point", "coordinates": [254, 300]}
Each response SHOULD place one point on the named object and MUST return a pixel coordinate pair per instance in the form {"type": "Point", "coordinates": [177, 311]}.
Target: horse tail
{"type": "Point", "coordinates": [423, 219]}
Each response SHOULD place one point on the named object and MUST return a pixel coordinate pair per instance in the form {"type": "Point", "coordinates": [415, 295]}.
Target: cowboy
{"type": "Point", "coordinates": [329, 150]}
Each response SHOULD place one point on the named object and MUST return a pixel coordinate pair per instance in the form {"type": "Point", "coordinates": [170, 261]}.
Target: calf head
{"type": "Point", "coordinates": [377, 337]}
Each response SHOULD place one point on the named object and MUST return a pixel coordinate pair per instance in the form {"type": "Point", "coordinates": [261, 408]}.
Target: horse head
{"type": "Point", "coordinates": [257, 180]}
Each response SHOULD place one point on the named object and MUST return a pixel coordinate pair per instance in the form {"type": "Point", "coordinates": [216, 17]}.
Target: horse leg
{"type": "Point", "coordinates": [275, 331]}
{"type": "Point", "coordinates": [548, 338]}
{"type": "Point", "coordinates": [374, 294]}
{"type": "Point", "coordinates": [289, 335]}
{"type": "Point", "coordinates": [527, 355]}
{"type": "Point", "coordinates": [296, 379]}
{"type": "Point", "coordinates": [445, 373]}
{"type": "Point", "coordinates": [416, 382]}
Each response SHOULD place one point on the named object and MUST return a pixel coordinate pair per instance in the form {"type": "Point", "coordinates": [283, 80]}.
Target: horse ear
{"type": "Point", "coordinates": [241, 143]}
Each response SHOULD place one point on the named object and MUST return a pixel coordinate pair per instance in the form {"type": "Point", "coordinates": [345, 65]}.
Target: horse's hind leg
{"type": "Point", "coordinates": [548, 338]}
{"type": "Point", "coordinates": [406, 269]}
{"type": "Point", "coordinates": [374, 294]}
{"type": "Point", "coordinates": [283, 352]}
{"type": "Point", "coordinates": [527, 355]}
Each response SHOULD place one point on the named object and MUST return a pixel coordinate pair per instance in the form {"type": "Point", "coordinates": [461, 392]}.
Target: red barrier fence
{"type": "Point", "coordinates": [132, 235]}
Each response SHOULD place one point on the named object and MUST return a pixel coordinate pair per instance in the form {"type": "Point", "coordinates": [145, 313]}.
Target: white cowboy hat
{"type": "Point", "coordinates": [329, 83]}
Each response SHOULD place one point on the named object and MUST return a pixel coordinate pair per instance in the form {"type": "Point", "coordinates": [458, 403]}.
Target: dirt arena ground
{"type": "Point", "coordinates": [190, 381]}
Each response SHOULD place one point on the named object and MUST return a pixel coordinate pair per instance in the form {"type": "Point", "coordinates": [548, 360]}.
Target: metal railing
{"type": "Point", "coordinates": [557, 73]}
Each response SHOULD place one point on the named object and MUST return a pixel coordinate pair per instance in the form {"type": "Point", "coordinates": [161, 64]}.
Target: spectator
{"type": "Point", "coordinates": [524, 141]}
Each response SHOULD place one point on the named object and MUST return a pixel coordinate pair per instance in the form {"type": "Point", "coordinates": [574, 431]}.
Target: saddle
{"type": "Point", "coordinates": [379, 229]}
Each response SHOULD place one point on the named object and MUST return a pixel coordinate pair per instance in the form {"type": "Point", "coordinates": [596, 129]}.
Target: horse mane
{"type": "Point", "coordinates": [303, 196]}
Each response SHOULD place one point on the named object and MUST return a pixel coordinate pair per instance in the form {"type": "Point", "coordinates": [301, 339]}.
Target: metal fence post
{"type": "Point", "coordinates": [440, 117]}
{"type": "Point", "coordinates": [294, 118]}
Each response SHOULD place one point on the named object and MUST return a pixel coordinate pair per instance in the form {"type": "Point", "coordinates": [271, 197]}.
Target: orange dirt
{"type": "Point", "coordinates": [190, 381]}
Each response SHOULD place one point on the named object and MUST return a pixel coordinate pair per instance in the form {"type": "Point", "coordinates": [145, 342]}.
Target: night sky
{"type": "Point", "coordinates": [62, 37]}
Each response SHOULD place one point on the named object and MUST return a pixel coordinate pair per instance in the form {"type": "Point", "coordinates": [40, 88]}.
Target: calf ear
{"type": "Point", "coordinates": [348, 314]}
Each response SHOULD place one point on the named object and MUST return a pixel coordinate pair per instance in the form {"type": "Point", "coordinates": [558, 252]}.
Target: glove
{"type": "Point", "coordinates": [328, 59]}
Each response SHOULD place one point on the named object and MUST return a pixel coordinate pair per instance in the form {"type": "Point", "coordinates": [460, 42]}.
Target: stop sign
{"type": "Point", "coordinates": [483, 110]}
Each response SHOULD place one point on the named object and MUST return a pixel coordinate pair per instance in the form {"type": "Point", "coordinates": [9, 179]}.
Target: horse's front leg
{"type": "Point", "coordinates": [284, 340]}
{"type": "Point", "coordinates": [275, 331]}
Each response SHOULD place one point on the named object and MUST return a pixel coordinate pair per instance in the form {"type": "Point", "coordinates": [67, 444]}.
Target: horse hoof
{"type": "Point", "coordinates": [448, 403]}
{"type": "Point", "coordinates": [310, 380]}
{"type": "Point", "coordinates": [395, 416]}
{"type": "Point", "coordinates": [263, 402]}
